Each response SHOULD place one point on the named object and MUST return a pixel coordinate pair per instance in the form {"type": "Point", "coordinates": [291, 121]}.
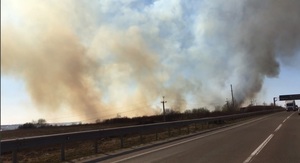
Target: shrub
{"type": "Point", "coordinates": [27, 126]}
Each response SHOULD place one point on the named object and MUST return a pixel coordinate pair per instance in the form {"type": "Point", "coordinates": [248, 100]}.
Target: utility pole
{"type": "Point", "coordinates": [232, 96]}
{"type": "Point", "coordinates": [164, 111]}
{"type": "Point", "coordinates": [274, 100]}
{"type": "Point", "coordinates": [227, 102]}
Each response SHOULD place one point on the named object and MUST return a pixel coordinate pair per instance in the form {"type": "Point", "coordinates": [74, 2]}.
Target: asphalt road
{"type": "Point", "coordinates": [274, 138]}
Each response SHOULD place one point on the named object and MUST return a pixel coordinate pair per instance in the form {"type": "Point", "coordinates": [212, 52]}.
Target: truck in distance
{"type": "Point", "coordinates": [291, 106]}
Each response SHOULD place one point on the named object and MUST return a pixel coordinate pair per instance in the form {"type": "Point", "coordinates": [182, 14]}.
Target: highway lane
{"type": "Point", "coordinates": [285, 144]}
{"type": "Point", "coordinates": [257, 141]}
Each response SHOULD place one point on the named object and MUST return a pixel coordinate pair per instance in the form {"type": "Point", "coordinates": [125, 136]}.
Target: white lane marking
{"type": "Point", "coordinates": [290, 115]}
{"type": "Point", "coordinates": [258, 149]}
{"type": "Point", "coordinates": [186, 141]}
{"type": "Point", "coordinates": [278, 128]}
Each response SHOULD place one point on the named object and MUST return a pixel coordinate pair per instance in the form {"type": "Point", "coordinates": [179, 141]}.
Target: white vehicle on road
{"type": "Point", "coordinates": [291, 106]}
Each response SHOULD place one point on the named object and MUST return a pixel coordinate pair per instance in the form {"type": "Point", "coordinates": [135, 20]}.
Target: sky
{"type": "Point", "coordinates": [77, 61]}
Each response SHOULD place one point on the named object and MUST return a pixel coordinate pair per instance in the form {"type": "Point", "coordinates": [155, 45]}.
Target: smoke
{"type": "Point", "coordinates": [50, 59]}
{"type": "Point", "coordinates": [108, 57]}
{"type": "Point", "coordinates": [263, 33]}
{"type": "Point", "coordinates": [248, 41]}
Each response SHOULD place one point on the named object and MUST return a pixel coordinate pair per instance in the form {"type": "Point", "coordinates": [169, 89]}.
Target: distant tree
{"type": "Point", "coordinates": [41, 123]}
{"type": "Point", "coordinates": [187, 112]}
{"type": "Point", "coordinates": [200, 111]}
{"type": "Point", "coordinates": [170, 111]}
{"type": "Point", "coordinates": [27, 126]}
{"type": "Point", "coordinates": [98, 120]}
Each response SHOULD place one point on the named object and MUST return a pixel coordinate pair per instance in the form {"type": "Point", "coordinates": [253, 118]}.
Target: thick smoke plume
{"type": "Point", "coordinates": [107, 57]}
{"type": "Point", "coordinates": [264, 33]}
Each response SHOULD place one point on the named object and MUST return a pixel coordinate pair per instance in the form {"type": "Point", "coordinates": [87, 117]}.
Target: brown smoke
{"type": "Point", "coordinates": [51, 60]}
{"type": "Point", "coordinates": [55, 68]}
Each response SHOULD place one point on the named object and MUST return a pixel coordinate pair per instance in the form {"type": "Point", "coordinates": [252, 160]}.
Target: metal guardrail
{"type": "Point", "coordinates": [15, 145]}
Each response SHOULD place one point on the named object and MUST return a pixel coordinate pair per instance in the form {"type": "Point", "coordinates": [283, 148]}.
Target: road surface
{"type": "Point", "coordinates": [274, 138]}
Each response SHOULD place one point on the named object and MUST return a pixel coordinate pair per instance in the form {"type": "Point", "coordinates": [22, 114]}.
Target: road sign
{"type": "Point", "coordinates": [289, 97]}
